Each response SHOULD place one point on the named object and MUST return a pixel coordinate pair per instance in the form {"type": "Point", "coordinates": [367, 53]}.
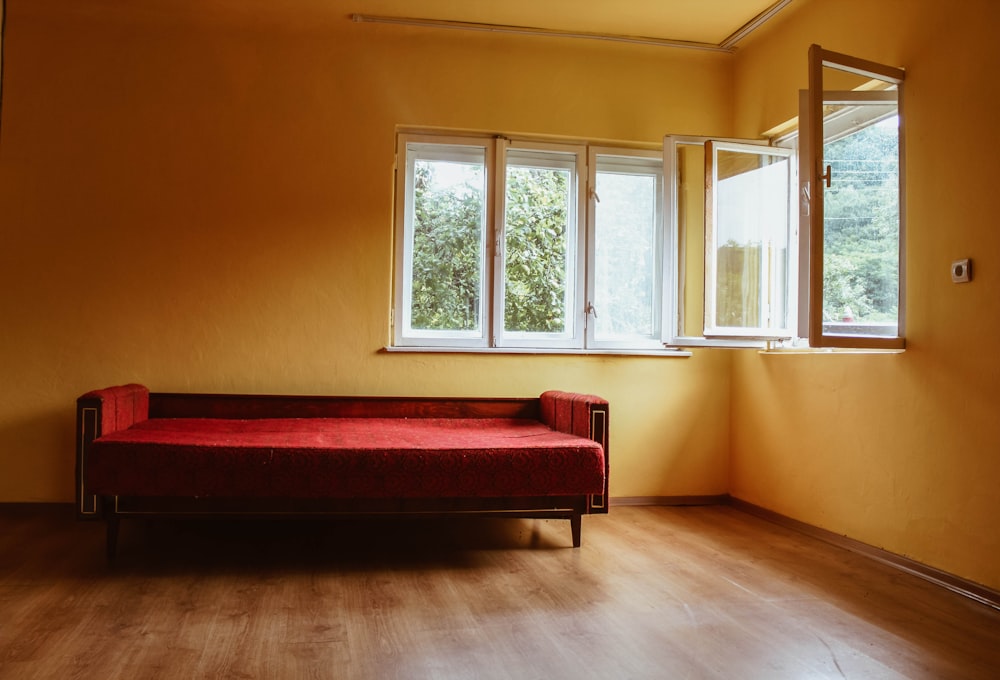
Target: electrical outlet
{"type": "Point", "coordinates": [961, 271]}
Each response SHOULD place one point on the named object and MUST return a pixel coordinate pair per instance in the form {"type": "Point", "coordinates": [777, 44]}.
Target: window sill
{"type": "Point", "coordinates": [538, 351]}
{"type": "Point", "coordinates": [829, 350]}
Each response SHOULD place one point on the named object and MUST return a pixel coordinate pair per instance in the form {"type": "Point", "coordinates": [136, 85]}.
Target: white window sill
{"type": "Point", "coordinates": [829, 350]}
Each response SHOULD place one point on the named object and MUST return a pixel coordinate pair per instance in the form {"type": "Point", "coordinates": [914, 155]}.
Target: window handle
{"type": "Point", "coordinates": [591, 309]}
{"type": "Point", "coordinates": [828, 176]}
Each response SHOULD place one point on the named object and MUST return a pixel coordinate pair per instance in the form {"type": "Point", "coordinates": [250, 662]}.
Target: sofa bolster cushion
{"type": "Point", "coordinates": [120, 406]}
{"type": "Point", "coordinates": [569, 412]}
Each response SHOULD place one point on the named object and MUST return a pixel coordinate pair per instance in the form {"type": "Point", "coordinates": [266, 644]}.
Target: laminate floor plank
{"type": "Point", "coordinates": [695, 592]}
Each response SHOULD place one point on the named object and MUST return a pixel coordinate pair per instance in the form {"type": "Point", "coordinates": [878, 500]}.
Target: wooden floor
{"type": "Point", "coordinates": [704, 592]}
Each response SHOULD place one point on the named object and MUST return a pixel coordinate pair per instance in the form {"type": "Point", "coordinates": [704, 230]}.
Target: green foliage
{"type": "Point", "coordinates": [447, 249]}
{"type": "Point", "coordinates": [448, 242]}
{"type": "Point", "coordinates": [861, 227]}
{"type": "Point", "coordinates": [536, 246]}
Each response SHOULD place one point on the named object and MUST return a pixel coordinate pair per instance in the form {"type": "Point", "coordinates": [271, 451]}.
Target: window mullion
{"type": "Point", "coordinates": [498, 187]}
{"type": "Point", "coordinates": [589, 290]}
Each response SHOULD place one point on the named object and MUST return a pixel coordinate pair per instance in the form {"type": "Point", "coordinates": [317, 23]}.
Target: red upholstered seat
{"type": "Point", "coordinates": [344, 458]}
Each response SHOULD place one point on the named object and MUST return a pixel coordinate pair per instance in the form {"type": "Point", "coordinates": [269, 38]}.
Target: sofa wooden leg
{"type": "Point", "coordinates": [576, 525]}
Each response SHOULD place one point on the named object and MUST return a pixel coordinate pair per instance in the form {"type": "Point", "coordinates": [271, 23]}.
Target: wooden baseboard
{"type": "Point", "coordinates": [956, 584]}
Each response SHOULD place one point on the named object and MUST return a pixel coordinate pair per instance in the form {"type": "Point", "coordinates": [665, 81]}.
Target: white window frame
{"type": "Point", "coordinates": [403, 335]}
{"type": "Point", "coordinates": [565, 156]}
{"type": "Point", "coordinates": [582, 159]}
{"type": "Point", "coordinates": [642, 161]}
{"type": "Point", "coordinates": [674, 293]}
{"type": "Point", "coordinates": [710, 329]}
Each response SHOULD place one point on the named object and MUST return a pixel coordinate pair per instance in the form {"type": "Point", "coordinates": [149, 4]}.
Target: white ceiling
{"type": "Point", "coordinates": [708, 22]}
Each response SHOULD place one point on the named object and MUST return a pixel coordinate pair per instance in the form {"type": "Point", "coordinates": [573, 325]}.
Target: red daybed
{"type": "Point", "coordinates": [143, 453]}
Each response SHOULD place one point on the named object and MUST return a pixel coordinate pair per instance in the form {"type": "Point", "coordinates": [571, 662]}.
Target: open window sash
{"type": "Point", "coordinates": [749, 258]}
{"type": "Point", "coordinates": [852, 180]}
{"type": "Point", "coordinates": [732, 242]}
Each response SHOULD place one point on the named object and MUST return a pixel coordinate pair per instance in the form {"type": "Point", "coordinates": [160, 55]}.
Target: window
{"type": "Point", "coordinates": [442, 271]}
{"type": "Point", "coordinates": [626, 259]}
{"type": "Point", "coordinates": [535, 244]}
{"type": "Point", "coordinates": [523, 244]}
{"type": "Point", "coordinates": [540, 244]}
{"type": "Point", "coordinates": [733, 242]}
{"type": "Point", "coordinates": [747, 240]}
{"type": "Point", "coordinates": [745, 269]}
{"type": "Point", "coordinates": [852, 185]}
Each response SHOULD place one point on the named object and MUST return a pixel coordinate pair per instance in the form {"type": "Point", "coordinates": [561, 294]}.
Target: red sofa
{"type": "Point", "coordinates": [143, 453]}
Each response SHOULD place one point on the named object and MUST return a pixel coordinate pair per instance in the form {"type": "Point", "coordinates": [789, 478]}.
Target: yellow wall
{"type": "Point", "coordinates": [196, 195]}
{"type": "Point", "coordinates": [898, 451]}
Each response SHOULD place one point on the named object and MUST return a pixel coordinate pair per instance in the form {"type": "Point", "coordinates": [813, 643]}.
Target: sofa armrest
{"type": "Point", "coordinates": [584, 415]}
{"type": "Point", "coordinates": [101, 412]}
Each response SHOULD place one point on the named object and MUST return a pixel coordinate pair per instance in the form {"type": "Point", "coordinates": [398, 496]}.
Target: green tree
{"type": "Point", "coordinates": [536, 249]}
{"type": "Point", "coordinates": [447, 247]}
{"type": "Point", "coordinates": [861, 226]}
{"type": "Point", "coordinates": [448, 241]}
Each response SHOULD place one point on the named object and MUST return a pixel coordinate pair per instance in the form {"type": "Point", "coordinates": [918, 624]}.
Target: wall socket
{"type": "Point", "coordinates": [961, 271]}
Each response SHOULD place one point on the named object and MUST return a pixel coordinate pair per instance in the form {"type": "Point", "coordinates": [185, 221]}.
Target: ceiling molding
{"type": "Point", "coordinates": [728, 45]}
{"type": "Point", "coordinates": [532, 30]}
{"type": "Point", "coordinates": [755, 23]}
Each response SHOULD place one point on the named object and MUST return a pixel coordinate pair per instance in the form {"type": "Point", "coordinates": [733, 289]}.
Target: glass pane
{"type": "Point", "coordinates": [625, 255]}
{"type": "Point", "coordinates": [449, 203]}
{"type": "Point", "coordinates": [537, 249]}
{"type": "Point", "coordinates": [749, 242]}
{"type": "Point", "coordinates": [861, 221]}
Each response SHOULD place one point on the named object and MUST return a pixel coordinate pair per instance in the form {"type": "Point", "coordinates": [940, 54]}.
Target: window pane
{"type": "Point", "coordinates": [748, 242]}
{"type": "Point", "coordinates": [537, 247]}
{"type": "Point", "coordinates": [449, 203]}
{"type": "Point", "coordinates": [861, 228]}
{"type": "Point", "coordinates": [626, 237]}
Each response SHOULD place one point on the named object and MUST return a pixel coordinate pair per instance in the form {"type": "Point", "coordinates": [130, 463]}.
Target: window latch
{"type": "Point", "coordinates": [591, 309]}
{"type": "Point", "coordinates": [828, 176]}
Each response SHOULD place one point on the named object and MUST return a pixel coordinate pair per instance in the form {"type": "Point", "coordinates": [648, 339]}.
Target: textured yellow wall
{"type": "Point", "coordinates": [196, 195]}
{"type": "Point", "coordinates": [898, 451]}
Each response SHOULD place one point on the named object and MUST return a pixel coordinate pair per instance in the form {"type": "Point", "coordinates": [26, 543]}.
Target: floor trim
{"type": "Point", "coordinates": [956, 584]}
